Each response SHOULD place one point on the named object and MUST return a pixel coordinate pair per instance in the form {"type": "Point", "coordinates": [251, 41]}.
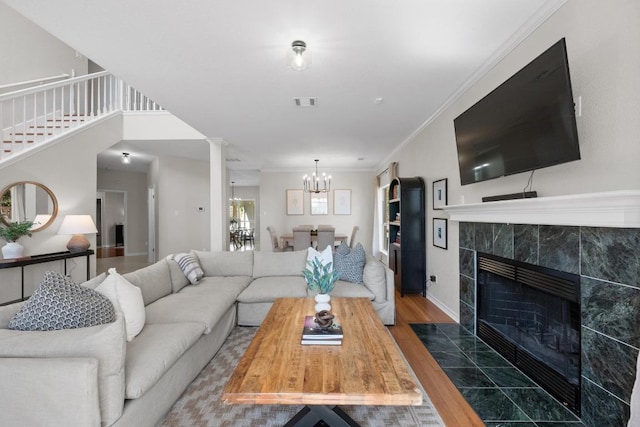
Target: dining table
{"type": "Point", "coordinates": [287, 238]}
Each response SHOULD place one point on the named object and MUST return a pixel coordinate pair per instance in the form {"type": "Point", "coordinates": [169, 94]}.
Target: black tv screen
{"type": "Point", "coordinates": [526, 123]}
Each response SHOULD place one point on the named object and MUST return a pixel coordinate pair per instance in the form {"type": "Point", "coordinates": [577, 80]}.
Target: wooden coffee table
{"type": "Point", "coordinates": [367, 369]}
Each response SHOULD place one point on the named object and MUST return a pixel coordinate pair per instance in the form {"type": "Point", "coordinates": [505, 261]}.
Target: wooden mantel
{"type": "Point", "coordinates": [607, 209]}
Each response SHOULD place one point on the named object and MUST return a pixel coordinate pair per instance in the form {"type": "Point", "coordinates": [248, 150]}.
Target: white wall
{"type": "Point", "coordinates": [136, 222]}
{"type": "Point", "coordinates": [69, 169]}
{"type": "Point", "coordinates": [273, 186]}
{"type": "Point", "coordinates": [604, 59]}
{"type": "Point", "coordinates": [182, 187]}
{"type": "Point", "coordinates": [29, 52]}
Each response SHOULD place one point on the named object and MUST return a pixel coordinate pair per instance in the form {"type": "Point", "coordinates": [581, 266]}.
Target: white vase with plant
{"type": "Point", "coordinates": [11, 233]}
{"type": "Point", "coordinates": [320, 278]}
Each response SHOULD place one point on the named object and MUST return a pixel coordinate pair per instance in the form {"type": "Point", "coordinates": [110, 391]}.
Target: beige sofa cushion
{"type": "Point", "coordinates": [267, 289]}
{"type": "Point", "coordinates": [195, 303]}
{"type": "Point", "coordinates": [349, 290]}
{"type": "Point", "coordinates": [267, 264]}
{"type": "Point", "coordinates": [154, 351]}
{"type": "Point", "coordinates": [213, 284]}
{"type": "Point", "coordinates": [106, 343]}
{"type": "Point", "coordinates": [226, 263]}
{"type": "Point", "coordinates": [178, 279]}
{"type": "Point", "coordinates": [375, 278]}
{"type": "Point", "coordinates": [154, 281]}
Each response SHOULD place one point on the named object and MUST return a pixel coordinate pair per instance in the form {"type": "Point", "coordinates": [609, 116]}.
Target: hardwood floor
{"type": "Point", "coordinates": [452, 407]}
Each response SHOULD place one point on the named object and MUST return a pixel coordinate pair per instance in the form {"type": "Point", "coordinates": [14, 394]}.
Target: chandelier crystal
{"type": "Point", "coordinates": [315, 183]}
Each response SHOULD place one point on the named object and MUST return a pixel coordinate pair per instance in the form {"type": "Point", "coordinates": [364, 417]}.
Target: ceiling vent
{"type": "Point", "coordinates": [310, 101]}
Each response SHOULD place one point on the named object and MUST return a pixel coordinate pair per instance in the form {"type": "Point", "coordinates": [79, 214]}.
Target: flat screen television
{"type": "Point", "coordinates": [526, 123]}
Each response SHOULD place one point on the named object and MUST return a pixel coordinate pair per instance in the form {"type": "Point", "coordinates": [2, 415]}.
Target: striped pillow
{"type": "Point", "coordinates": [190, 267]}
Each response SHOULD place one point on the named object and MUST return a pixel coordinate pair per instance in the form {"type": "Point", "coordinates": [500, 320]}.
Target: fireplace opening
{"type": "Point", "coordinates": [531, 315]}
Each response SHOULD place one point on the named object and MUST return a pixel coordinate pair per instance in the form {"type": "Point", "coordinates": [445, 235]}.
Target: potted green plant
{"type": "Point", "coordinates": [11, 233]}
{"type": "Point", "coordinates": [320, 278]}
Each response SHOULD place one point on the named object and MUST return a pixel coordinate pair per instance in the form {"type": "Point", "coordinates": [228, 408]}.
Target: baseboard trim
{"type": "Point", "coordinates": [443, 307]}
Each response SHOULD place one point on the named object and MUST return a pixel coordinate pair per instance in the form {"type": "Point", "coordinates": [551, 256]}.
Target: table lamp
{"type": "Point", "coordinates": [78, 226]}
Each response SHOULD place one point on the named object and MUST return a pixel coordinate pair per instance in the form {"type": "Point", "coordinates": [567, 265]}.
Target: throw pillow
{"type": "Point", "coordinates": [93, 283]}
{"type": "Point", "coordinates": [189, 266]}
{"type": "Point", "coordinates": [126, 298]}
{"type": "Point", "coordinates": [59, 303]}
{"type": "Point", "coordinates": [325, 257]}
{"type": "Point", "coordinates": [343, 249]}
{"type": "Point", "coordinates": [350, 266]}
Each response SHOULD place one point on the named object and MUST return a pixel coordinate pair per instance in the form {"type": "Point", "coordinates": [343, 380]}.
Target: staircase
{"type": "Point", "coordinates": [32, 117]}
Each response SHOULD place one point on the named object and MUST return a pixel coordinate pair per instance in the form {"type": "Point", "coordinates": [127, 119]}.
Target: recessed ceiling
{"type": "Point", "coordinates": [381, 69]}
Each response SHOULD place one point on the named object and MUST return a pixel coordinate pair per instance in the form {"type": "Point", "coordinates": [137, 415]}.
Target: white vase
{"type": "Point", "coordinates": [12, 250]}
{"type": "Point", "coordinates": [322, 302]}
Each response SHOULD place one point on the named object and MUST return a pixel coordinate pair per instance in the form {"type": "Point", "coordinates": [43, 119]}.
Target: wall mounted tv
{"type": "Point", "coordinates": [526, 123]}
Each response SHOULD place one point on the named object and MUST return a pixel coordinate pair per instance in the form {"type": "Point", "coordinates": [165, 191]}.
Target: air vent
{"type": "Point", "coordinates": [235, 159]}
{"type": "Point", "coordinates": [310, 101]}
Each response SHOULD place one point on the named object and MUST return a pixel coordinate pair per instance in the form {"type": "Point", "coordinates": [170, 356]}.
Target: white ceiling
{"type": "Point", "coordinates": [220, 66]}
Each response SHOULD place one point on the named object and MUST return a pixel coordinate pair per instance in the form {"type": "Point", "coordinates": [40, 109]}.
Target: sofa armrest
{"type": "Point", "coordinates": [378, 278]}
{"type": "Point", "coordinates": [104, 343]}
{"type": "Point", "coordinates": [51, 392]}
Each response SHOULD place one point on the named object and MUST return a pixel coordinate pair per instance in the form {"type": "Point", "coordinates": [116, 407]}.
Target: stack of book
{"type": "Point", "coordinates": [312, 334]}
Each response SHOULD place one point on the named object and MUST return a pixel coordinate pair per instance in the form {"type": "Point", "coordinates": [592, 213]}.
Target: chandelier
{"type": "Point", "coordinates": [312, 182]}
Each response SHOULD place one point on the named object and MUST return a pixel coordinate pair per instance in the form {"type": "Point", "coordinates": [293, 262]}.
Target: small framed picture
{"type": "Point", "coordinates": [439, 193]}
{"type": "Point", "coordinates": [342, 202]}
{"type": "Point", "coordinates": [295, 205]}
{"type": "Point", "coordinates": [440, 233]}
{"type": "Point", "coordinates": [319, 204]}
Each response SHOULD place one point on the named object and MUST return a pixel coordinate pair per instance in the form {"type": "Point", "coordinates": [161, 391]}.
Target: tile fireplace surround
{"type": "Point", "coordinates": [596, 236]}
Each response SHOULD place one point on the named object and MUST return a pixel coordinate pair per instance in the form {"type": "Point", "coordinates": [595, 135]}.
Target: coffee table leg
{"type": "Point", "coordinates": [317, 416]}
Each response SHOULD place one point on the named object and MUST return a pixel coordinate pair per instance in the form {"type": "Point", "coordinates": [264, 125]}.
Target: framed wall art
{"type": "Point", "coordinates": [440, 233]}
{"type": "Point", "coordinates": [295, 202]}
{"type": "Point", "coordinates": [439, 193]}
{"type": "Point", "coordinates": [319, 204]}
{"type": "Point", "coordinates": [342, 202]}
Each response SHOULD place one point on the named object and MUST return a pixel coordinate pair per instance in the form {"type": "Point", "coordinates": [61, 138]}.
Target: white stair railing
{"type": "Point", "coordinates": [31, 116]}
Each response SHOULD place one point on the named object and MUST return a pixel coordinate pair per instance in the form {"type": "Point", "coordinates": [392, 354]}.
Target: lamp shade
{"type": "Point", "coordinates": [78, 226]}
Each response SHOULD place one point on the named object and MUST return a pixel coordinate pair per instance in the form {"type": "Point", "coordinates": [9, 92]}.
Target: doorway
{"type": "Point", "coordinates": [242, 215]}
{"type": "Point", "coordinates": [111, 213]}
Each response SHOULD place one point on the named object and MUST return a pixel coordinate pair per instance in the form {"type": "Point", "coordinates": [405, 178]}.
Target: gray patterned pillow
{"type": "Point", "coordinates": [350, 266]}
{"type": "Point", "coordinates": [59, 303]}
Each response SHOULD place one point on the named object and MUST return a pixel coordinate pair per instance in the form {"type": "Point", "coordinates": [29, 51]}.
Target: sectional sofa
{"type": "Point", "coordinates": [92, 376]}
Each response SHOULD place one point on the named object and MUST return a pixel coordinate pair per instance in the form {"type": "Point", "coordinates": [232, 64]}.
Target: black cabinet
{"type": "Point", "coordinates": [119, 234]}
{"type": "Point", "coordinates": [407, 237]}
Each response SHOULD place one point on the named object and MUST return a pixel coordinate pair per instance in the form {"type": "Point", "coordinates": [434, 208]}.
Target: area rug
{"type": "Point", "coordinates": [200, 404]}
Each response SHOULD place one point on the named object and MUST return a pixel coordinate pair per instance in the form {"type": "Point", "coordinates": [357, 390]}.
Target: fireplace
{"type": "Point", "coordinates": [531, 315]}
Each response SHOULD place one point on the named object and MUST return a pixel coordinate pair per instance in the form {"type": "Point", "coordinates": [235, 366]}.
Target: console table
{"type": "Point", "coordinates": [39, 259]}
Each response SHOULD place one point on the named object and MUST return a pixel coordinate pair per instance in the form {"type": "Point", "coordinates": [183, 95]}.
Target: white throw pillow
{"type": "Point", "coordinates": [127, 299]}
{"type": "Point", "coordinates": [325, 257]}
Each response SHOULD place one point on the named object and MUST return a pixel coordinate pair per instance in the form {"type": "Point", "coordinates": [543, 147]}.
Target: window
{"type": "Point", "coordinates": [383, 197]}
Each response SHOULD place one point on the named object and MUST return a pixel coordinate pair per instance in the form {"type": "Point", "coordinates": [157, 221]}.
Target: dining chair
{"type": "Point", "coordinates": [301, 239]}
{"type": "Point", "coordinates": [305, 227]}
{"type": "Point", "coordinates": [275, 241]}
{"type": "Point", "coordinates": [248, 236]}
{"type": "Point", "coordinates": [326, 227]}
{"type": "Point", "coordinates": [352, 242]}
{"type": "Point", "coordinates": [326, 237]}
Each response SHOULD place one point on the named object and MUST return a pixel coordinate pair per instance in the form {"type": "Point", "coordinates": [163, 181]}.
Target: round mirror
{"type": "Point", "coordinates": [28, 201]}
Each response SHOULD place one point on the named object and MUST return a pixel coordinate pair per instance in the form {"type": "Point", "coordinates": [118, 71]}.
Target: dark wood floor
{"type": "Point", "coordinates": [452, 407]}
